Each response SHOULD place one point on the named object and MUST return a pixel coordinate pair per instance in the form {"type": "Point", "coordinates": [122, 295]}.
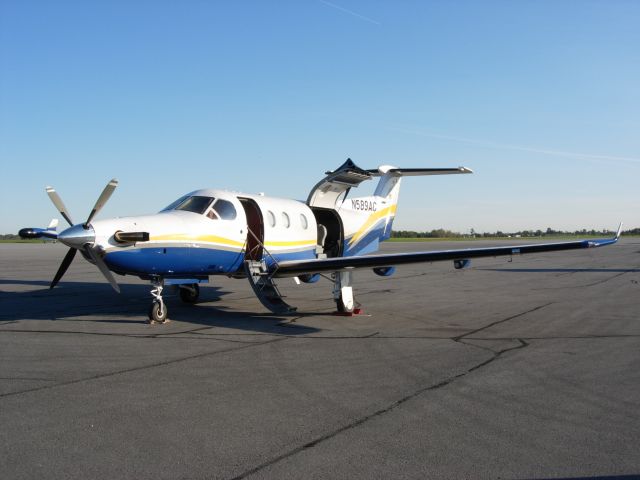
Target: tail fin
{"type": "Point", "coordinates": [389, 185]}
{"type": "Point", "coordinates": [53, 225]}
{"type": "Point", "coordinates": [368, 220]}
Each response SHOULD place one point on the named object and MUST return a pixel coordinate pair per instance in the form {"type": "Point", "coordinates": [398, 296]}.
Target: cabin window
{"type": "Point", "coordinates": [272, 218]}
{"type": "Point", "coordinates": [225, 209]}
{"type": "Point", "coordinates": [195, 204]}
{"type": "Point", "coordinates": [303, 221]}
{"type": "Point", "coordinates": [285, 220]}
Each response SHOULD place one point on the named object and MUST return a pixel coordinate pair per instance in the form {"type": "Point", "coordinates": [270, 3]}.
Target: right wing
{"type": "Point", "coordinates": [298, 267]}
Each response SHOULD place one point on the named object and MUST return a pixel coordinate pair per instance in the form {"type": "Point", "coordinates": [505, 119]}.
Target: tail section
{"type": "Point", "coordinates": [368, 220]}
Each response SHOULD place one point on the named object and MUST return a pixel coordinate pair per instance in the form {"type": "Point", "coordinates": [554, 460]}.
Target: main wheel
{"type": "Point", "coordinates": [155, 315]}
{"type": "Point", "coordinates": [191, 294]}
{"type": "Point", "coordinates": [341, 307]}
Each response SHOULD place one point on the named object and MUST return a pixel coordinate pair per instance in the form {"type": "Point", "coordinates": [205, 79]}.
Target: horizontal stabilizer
{"type": "Point", "coordinates": [414, 172]}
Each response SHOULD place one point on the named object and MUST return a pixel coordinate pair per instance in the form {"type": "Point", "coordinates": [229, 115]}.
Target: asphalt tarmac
{"type": "Point", "coordinates": [522, 369]}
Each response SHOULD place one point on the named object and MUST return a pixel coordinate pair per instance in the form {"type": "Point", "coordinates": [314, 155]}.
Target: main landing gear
{"type": "Point", "coordinates": [189, 293]}
{"type": "Point", "coordinates": [343, 294]}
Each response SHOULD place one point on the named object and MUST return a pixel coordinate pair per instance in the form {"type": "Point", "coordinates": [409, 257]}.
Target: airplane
{"type": "Point", "coordinates": [35, 232]}
{"type": "Point", "coordinates": [260, 238]}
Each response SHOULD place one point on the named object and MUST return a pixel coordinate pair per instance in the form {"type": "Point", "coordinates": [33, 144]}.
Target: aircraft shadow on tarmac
{"type": "Point", "coordinates": [70, 300]}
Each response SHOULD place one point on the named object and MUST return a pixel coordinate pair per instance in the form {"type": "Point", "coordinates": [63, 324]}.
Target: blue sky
{"type": "Point", "coordinates": [540, 98]}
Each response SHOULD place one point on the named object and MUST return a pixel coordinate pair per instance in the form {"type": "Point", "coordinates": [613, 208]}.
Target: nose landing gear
{"type": "Point", "coordinates": [189, 293]}
{"type": "Point", "coordinates": [157, 310]}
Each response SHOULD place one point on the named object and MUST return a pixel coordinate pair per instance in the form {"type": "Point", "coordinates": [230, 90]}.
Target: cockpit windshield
{"type": "Point", "coordinates": [221, 209]}
{"type": "Point", "coordinates": [175, 203]}
{"type": "Point", "coordinates": [194, 203]}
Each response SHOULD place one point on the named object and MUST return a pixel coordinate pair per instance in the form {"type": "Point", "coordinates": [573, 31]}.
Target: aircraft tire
{"type": "Point", "coordinates": [154, 313]}
{"type": "Point", "coordinates": [190, 296]}
{"type": "Point", "coordinates": [340, 307]}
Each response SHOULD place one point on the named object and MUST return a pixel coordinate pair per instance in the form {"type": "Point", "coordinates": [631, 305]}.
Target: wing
{"type": "Point", "coordinates": [294, 268]}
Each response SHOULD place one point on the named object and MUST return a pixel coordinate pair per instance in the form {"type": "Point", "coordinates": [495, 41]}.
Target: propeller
{"type": "Point", "coordinates": [102, 199]}
{"type": "Point", "coordinates": [57, 201]}
{"type": "Point", "coordinates": [66, 261]}
{"type": "Point", "coordinates": [82, 236]}
{"type": "Point", "coordinates": [101, 266]}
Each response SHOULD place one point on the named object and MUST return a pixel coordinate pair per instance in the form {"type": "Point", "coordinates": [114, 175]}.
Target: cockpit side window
{"type": "Point", "coordinates": [225, 209]}
{"type": "Point", "coordinates": [195, 204]}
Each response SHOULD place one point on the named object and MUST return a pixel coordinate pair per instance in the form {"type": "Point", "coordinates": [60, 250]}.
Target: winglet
{"type": "Point", "coordinates": [606, 241]}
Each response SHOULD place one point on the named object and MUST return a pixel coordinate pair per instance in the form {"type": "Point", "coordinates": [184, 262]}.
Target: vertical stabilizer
{"type": "Point", "coordinates": [368, 220]}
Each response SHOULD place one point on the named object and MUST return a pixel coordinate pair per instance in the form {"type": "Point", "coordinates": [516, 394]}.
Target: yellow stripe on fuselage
{"type": "Point", "coordinates": [371, 221]}
{"type": "Point", "coordinates": [184, 237]}
{"type": "Point", "coordinates": [297, 243]}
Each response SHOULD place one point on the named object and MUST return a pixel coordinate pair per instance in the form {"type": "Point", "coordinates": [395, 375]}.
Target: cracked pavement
{"type": "Point", "coordinates": [523, 369]}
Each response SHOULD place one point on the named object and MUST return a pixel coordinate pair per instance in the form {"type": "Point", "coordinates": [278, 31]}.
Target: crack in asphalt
{"type": "Point", "coordinates": [593, 284]}
{"type": "Point", "coordinates": [28, 379]}
{"type": "Point", "coordinates": [201, 332]}
{"type": "Point", "coordinates": [447, 381]}
{"type": "Point", "coordinates": [600, 282]}
{"type": "Point", "coordinates": [495, 355]}
{"type": "Point", "coordinates": [371, 336]}
{"type": "Point", "coordinates": [106, 334]}
{"type": "Point", "coordinates": [498, 322]}
{"type": "Point", "coordinates": [378, 413]}
{"type": "Point", "coordinates": [144, 367]}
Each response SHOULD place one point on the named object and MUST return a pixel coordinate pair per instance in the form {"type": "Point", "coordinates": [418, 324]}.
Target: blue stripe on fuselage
{"type": "Point", "coordinates": [172, 261]}
{"type": "Point", "coordinates": [367, 244]}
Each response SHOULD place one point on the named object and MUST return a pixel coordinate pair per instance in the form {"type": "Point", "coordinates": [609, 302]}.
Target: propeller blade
{"type": "Point", "coordinates": [102, 199]}
{"type": "Point", "coordinates": [102, 266]}
{"type": "Point", "coordinates": [68, 258]}
{"type": "Point", "coordinates": [57, 201]}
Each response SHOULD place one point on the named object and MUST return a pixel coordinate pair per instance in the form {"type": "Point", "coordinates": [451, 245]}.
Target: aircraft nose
{"type": "Point", "coordinates": [77, 236]}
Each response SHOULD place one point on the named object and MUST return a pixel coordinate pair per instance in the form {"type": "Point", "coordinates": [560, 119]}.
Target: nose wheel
{"type": "Point", "coordinates": [157, 310]}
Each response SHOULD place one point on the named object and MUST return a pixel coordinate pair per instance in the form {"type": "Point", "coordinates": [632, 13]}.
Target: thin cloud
{"type": "Point", "coordinates": [350, 12]}
{"type": "Point", "coordinates": [506, 146]}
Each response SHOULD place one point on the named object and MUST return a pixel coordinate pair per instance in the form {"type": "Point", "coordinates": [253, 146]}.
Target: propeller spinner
{"type": "Point", "coordinates": [82, 236]}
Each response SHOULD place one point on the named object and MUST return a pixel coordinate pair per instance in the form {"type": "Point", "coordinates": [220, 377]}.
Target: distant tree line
{"type": "Point", "coordinates": [442, 233]}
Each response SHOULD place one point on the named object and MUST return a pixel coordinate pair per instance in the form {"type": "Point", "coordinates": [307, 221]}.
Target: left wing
{"type": "Point", "coordinates": [294, 268]}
